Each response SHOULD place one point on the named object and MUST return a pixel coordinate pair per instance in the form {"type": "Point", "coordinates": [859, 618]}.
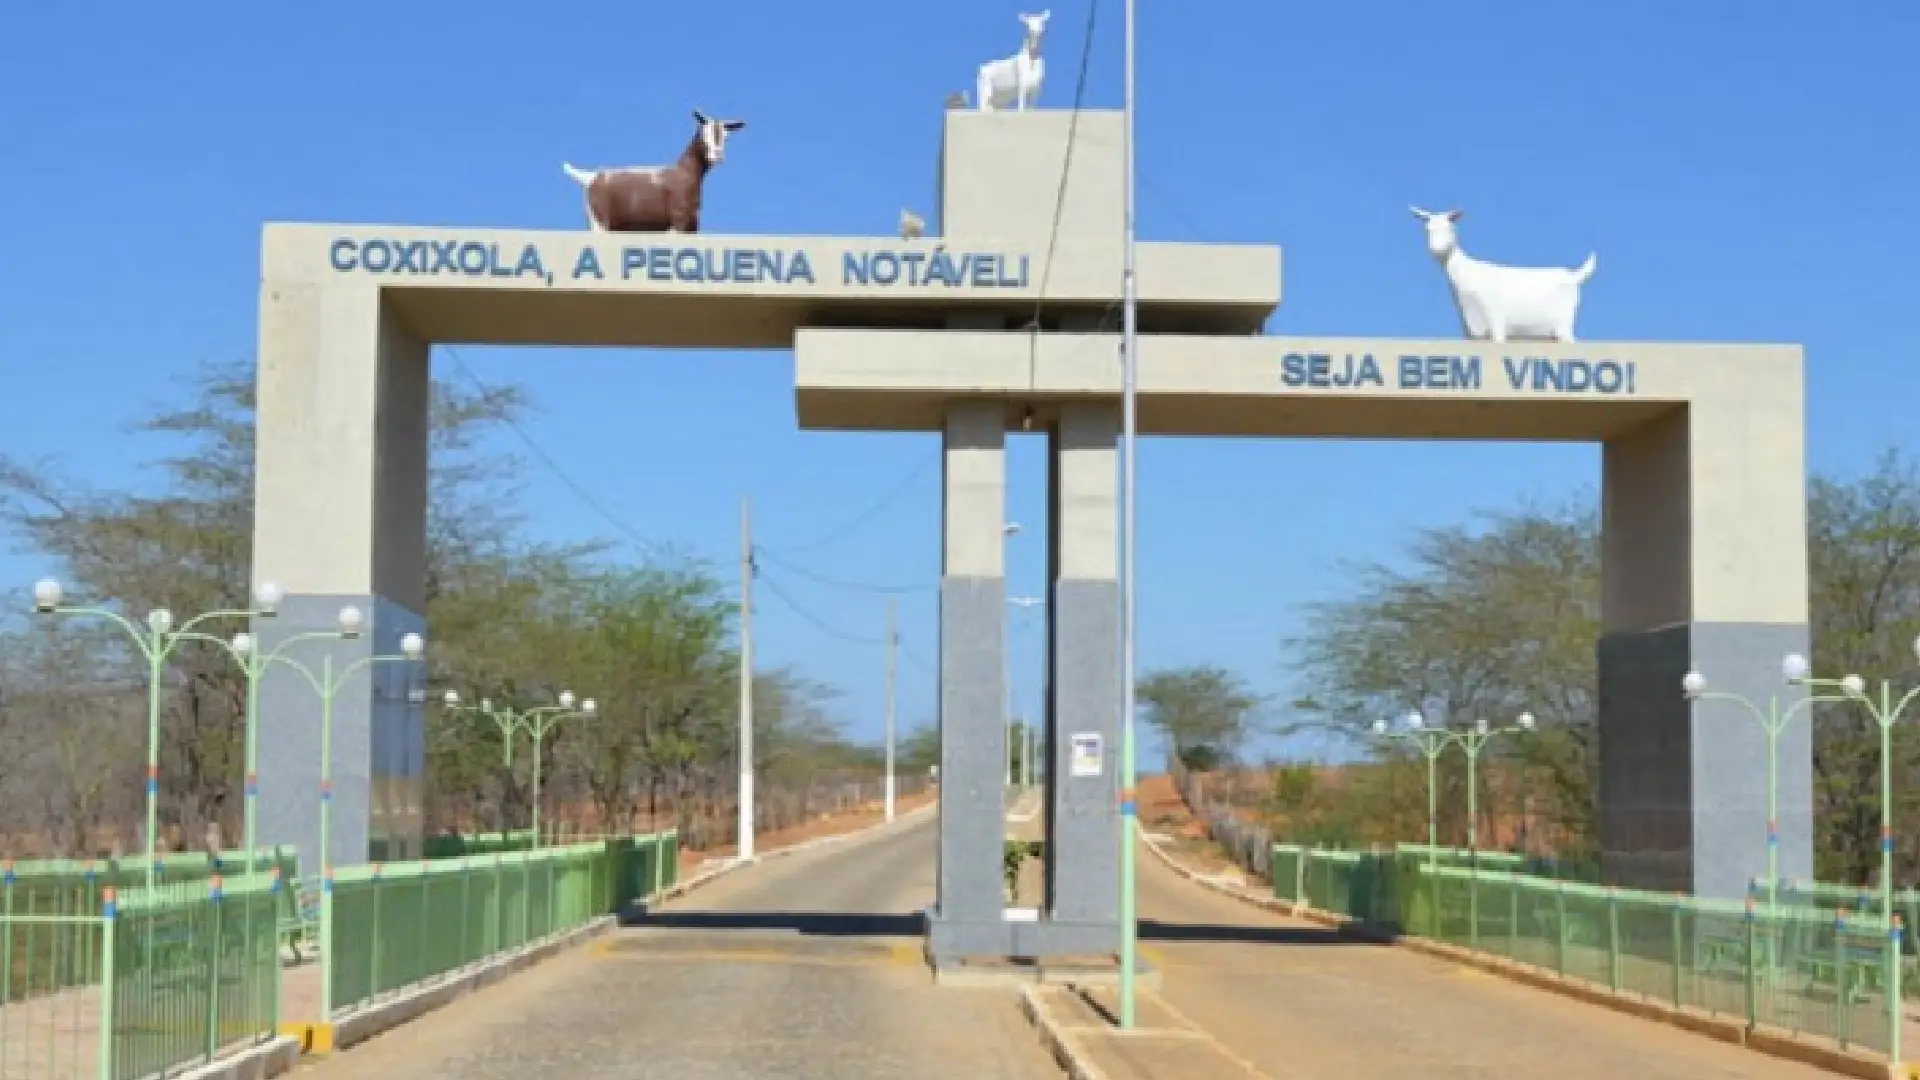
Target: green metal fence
{"type": "Point", "coordinates": [123, 985]}
{"type": "Point", "coordinates": [388, 927]}
{"type": "Point", "coordinates": [99, 982]}
{"type": "Point", "coordinates": [1823, 971]}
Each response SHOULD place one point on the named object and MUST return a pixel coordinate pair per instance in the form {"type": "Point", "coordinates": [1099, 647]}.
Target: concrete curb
{"type": "Point", "coordinates": [271, 1058]}
{"type": "Point", "coordinates": [1765, 1039]}
{"type": "Point", "coordinates": [1058, 1041]}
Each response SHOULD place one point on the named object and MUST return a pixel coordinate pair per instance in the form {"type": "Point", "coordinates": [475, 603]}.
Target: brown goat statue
{"type": "Point", "coordinates": [656, 198]}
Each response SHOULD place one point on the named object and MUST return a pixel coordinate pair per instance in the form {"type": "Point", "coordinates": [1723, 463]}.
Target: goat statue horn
{"type": "Point", "coordinates": [1419, 213]}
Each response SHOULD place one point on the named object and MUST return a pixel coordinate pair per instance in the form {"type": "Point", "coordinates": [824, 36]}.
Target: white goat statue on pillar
{"type": "Point", "coordinates": [1015, 80]}
{"type": "Point", "coordinates": [1506, 303]}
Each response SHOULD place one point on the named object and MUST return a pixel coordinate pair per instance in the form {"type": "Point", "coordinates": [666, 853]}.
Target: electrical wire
{"type": "Point", "coordinates": [809, 617]}
{"type": "Point", "coordinates": [865, 515]}
{"type": "Point", "coordinates": [1066, 162]}
{"type": "Point", "coordinates": [835, 583]}
{"type": "Point", "coordinates": [651, 547]}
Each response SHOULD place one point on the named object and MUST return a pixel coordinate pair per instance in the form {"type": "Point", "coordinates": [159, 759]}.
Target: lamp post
{"type": "Point", "coordinates": [156, 640]}
{"type": "Point", "coordinates": [1885, 714]}
{"type": "Point", "coordinates": [1773, 722]}
{"type": "Point", "coordinates": [327, 685]}
{"type": "Point", "coordinates": [1472, 741]}
{"type": "Point", "coordinates": [536, 722]}
{"type": "Point", "coordinates": [1432, 743]}
{"type": "Point", "coordinates": [254, 664]}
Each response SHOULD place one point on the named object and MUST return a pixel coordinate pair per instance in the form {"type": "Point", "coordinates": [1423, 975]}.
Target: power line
{"type": "Point", "coordinates": [1066, 162]}
{"type": "Point", "coordinates": [835, 583]}
{"type": "Point", "coordinates": [815, 621]}
{"type": "Point", "coordinates": [633, 535]}
{"type": "Point", "coordinates": [870, 512]}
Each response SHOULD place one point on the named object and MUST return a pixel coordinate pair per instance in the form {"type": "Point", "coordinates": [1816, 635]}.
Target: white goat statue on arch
{"type": "Point", "coordinates": [1015, 80]}
{"type": "Point", "coordinates": [1506, 303]}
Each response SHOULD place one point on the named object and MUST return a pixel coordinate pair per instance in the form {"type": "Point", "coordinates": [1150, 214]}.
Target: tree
{"type": "Point", "coordinates": [1484, 622]}
{"type": "Point", "coordinates": [917, 750]}
{"type": "Point", "coordinates": [1205, 712]}
{"type": "Point", "coordinates": [1864, 546]}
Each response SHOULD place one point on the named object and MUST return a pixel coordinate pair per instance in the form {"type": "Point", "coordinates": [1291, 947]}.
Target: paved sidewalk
{"type": "Point", "coordinates": [1297, 1000]}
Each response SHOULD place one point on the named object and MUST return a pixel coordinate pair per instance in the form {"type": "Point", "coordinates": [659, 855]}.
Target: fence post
{"type": "Point", "coordinates": [275, 882]}
{"type": "Point", "coordinates": [1473, 901]}
{"type": "Point", "coordinates": [466, 907]}
{"type": "Point", "coordinates": [1753, 968]}
{"type": "Point", "coordinates": [659, 863]}
{"type": "Point", "coordinates": [326, 944]}
{"type": "Point", "coordinates": [423, 962]}
{"type": "Point", "coordinates": [1895, 1017]}
{"type": "Point", "coordinates": [373, 936]}
{"type": "Point", "coordinates": [6, 939]}
{"type": "Point", "coordinates": [1678, 947]}
{"type": "Point", "coordinates": [213, 969]}
{"type": "Point", "coordinates": [1840, 987]}
{"type": "Point", "coordinates": [1560, 927]}
{"type": "Point", "coordinates": [1513, 917]}
{"type": "Point", "coordinates": [1613, 938]}
{"type": "Point", "coordinates": [109, 921]}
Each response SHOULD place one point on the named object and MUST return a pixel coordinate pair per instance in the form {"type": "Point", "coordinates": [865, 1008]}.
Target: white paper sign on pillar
{"type": "Point", "coordinates": [1087, 758]}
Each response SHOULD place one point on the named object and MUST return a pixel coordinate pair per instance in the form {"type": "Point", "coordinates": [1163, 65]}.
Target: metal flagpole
{"type": "Point", "coordinates": [1129, 930]}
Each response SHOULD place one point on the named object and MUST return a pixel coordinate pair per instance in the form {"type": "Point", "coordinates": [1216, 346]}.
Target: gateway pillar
{"type": "Point", "coordinates": [1083, 641]}
{"type": "Point", "coordinates": [340, 518]}
{"type": "Point", "coordinates": [968, 918]}
{"type": "Point", "coordinates": [1704, 567]}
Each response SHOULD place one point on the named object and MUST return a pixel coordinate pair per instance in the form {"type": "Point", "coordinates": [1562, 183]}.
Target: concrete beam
{"type": "Point", "coordinates": [543, 287]}
{"type": "Point", "coordinates": [1254, 386]}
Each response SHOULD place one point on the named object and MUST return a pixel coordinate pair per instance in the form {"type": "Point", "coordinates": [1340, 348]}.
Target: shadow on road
{"type": "Point", "coordinates": [820, 923]}
{"type": "Point", "coordinates": [1158, 930]}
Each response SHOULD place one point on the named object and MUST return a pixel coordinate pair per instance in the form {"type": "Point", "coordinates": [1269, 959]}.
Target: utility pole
{"type": "Point", "coordinates": [892, 643]}
{"type": "Point", "coordinates": [746, 679]}
{"type": "Point", "coordinates": [1129, 378]}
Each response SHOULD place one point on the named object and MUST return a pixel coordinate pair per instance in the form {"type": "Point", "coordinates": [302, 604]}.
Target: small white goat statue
{"type": "Point", "coordinates": [1015, 80]}
{"type": "Point", "coordinates": [1506, 303]}
{"type": "Point", "coordinates": [912, 225]}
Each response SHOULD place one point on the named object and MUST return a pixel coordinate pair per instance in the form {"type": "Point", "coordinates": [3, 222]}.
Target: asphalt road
{"type": "Point", "coordinates": [800, 968]}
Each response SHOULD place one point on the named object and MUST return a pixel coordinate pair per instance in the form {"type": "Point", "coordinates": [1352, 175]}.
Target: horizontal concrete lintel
{"type": "Point", "coordinates": [1258, 385]}
{"type": "Point", "coordinates": [522, 286]}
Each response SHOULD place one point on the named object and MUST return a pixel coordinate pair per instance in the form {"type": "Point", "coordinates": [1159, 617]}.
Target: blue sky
{"type": "Point", "coordinates": [1745, 172]}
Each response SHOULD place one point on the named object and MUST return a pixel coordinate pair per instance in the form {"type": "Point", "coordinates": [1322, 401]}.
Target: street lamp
{"type": "Point", "coordinates": [537, 722]}
{"type": "Point", "coordinates": [156, 640]}
{"type": "Point", "coordinates": [254, 664]}
{"type": "Point", "coordinates": [1432, 743]}
{"type": "Point", "coordinates": [1472, 740]}
{"type": "Point", "coordinates": [1886, 713]}
{"type": "Point", "coordinates": [1793, 668]}
{"type": "Point", "coordinates": [327, 685]}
